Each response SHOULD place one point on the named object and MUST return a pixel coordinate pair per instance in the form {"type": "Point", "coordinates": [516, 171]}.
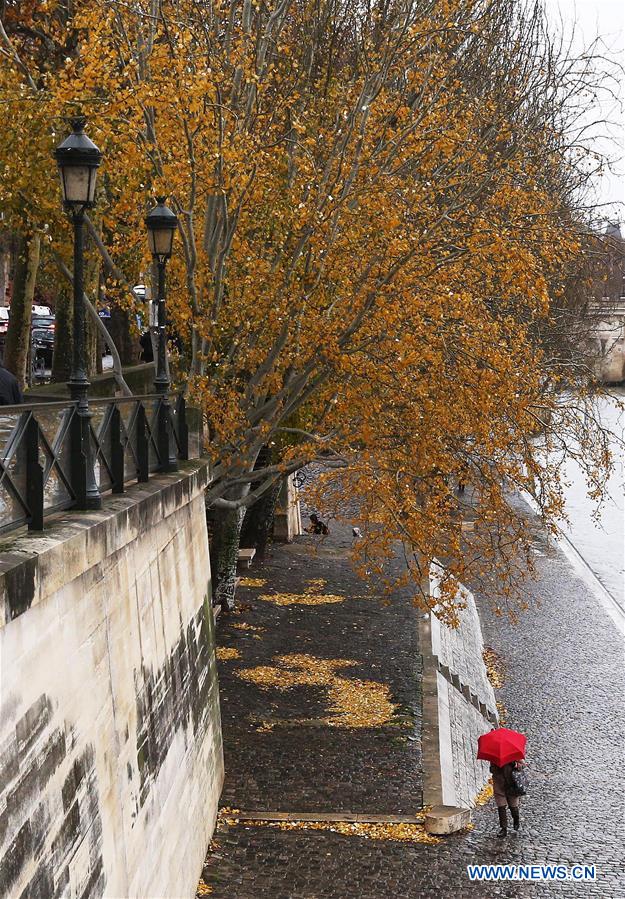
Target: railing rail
{"type": "Point", "coordinates": [45, 466]}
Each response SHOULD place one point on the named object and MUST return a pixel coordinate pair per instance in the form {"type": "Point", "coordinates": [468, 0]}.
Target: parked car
{"type": "Point", "coordinates": [4, 319]}
{"type": "Point", "coordinates": [43, 321]}
{"type": "Point", "coordinates": [42, 346]}
{"type": "Point", "coordinates": [42, 336]}
{"type": "Point", "coordinates": [41, 310]}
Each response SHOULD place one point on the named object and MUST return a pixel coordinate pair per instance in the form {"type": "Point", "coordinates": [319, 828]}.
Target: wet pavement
{"type": "Point", "coordinates": [564, 687]}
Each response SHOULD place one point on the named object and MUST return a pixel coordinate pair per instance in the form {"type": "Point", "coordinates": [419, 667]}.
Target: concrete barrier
{"type": "Point", "coordinates": [458, 706]}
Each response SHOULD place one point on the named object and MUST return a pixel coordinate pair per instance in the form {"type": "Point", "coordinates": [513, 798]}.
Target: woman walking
{"type": "Point", "coordinates": [506, 795]}
{"type": "Point", "coordinates": [505, 750]}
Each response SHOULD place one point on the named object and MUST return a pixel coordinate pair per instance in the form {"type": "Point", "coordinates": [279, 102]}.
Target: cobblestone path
{"type": "Point", "coordinates": [565, 688]}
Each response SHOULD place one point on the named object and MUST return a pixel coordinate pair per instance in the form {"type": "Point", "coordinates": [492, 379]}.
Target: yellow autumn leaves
{"type": "Point", "coordinates": [400, 832]}
{"type": "Point", "coordinates": [352, 702]}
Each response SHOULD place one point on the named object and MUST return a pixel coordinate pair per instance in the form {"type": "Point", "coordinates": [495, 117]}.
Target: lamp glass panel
{"type": "Point", "coordinates": [93, 176]}
{"type": "Point", "coordinates": [161, 240]}
{"type": "Point", "coordinates": [77, 184]}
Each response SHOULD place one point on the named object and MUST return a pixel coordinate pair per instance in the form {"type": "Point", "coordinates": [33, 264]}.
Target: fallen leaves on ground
{"type": "Point", "coordinates": [485, 794]}
{"type": "Point", "coordinates": [503, 714]}
{"type": "Point", "coordinates": [203, 889]}
{"type": "Point", "coordinates": [244, 626]}
{"type": "Point", "coordinates": [317, 583]}
{"type": "Point", "coordinates": [265, 727]}
{"type": "Point", "coordinates": [226, 653]}
{"type": "Point", "coordinates": [406, 833]}
{"type": "Point", "coordinates": [353, 702]}
{"type": "Point", "coordinates": [495, 669]}
{"type": "Point", "coordinates": [301, 599]}
{"type": "Point", "coordinates": [252, 582]}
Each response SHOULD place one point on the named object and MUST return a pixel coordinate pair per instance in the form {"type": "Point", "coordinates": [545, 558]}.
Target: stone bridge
{"type": "Point", "coordinates": [607, 339]}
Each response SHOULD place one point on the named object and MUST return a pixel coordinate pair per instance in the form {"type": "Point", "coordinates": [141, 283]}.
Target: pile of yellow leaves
{"type": "Point", "coordinates": [494, 668]}
{"type": "Point", "coordinates": [485, 794]}
{"type": "Point", "coordinates": [226, 653]}
{"type": "Point", "coordinates": [353, 702]}
{"type": "Point", "coordinates": [406, 833]}
{"type": "Point", "coordinates": [310, 596]}
{"type": "Point", "coordinates": [252, 582]}
{"type": "Point", "coordinates": [301, 599]}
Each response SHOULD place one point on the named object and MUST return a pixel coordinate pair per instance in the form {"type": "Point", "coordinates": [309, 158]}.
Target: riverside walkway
{"type": "Point", "coordinates": [308, 748]}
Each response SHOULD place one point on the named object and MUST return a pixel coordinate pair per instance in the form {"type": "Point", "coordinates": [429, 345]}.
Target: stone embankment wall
{"type": "Point", "coordinates": [110, 742]}
{"type": "Point", "coordinates": [458, 705]}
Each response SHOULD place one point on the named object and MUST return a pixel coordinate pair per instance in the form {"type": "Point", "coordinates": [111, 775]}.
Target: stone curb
{"type": "Point", "coordinates": [342, 817]}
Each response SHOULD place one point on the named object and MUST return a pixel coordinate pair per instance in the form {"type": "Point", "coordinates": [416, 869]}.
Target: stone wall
{"type": "Point", "coordinates": [110, 741]}
{"type": "Point", "coordinates": [458, 705]}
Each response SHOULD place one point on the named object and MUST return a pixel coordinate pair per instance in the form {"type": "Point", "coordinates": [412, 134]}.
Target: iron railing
{"type": "Point", "coordinates": [46, 468]}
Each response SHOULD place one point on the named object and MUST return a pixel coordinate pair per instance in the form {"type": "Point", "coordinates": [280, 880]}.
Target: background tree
{"type": "Point", "coordinates": [371, 203]}
{"type": "Point", "coordinates": [36, 42]}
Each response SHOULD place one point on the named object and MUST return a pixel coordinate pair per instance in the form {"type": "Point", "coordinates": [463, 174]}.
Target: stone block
{"type": "Point", "coordinates": [443, 819]}
{"type": "Point", "coordinates": [245, 557]}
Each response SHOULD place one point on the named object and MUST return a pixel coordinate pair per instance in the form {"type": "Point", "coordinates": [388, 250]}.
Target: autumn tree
{"type": "Point", "coordinates": [371, 201]}
{"type": "Point", "coordinates": [36, 41]}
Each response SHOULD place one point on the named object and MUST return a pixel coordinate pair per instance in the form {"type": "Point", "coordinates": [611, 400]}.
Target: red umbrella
{"type": "Point", "coordinates": [501, 746]}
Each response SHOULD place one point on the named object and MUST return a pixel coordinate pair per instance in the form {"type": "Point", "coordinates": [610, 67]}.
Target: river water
{"type": "Point", "coordinates": [601, 543]}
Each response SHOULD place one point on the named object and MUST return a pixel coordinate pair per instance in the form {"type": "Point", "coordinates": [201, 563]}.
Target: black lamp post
{"type": "Point", "coordinates": [78, 160]}
{"type": "Point", "coordinates": [161, 223]}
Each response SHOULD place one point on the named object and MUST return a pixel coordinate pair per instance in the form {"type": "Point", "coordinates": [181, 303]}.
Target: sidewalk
{"type": "Point", "coordinates": [337, 742]}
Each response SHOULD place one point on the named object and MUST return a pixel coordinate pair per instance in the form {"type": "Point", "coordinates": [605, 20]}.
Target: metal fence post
{"type": "Point", "coordinates": [143, 458]}
{"type": "Point", "coordinates": [34, 476]}
{"type": "Point", "coordinates": [117, 451]}
{"type": "Point", "coordinates": [78, 437]}
{"type": "Point", "coordinates": [164, 426]}
{"type": "Point", "coordinates": [183, 427]}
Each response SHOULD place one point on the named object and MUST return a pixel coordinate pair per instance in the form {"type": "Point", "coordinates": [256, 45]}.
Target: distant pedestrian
{"type": "Point", "coordinates": [507, 795]}
{"type": "Point", "coordinates": [317, 526]}
{"type": "Point", "coordinates": [147, 351]}
{"type": "Point", "coordinates": [10, 393]}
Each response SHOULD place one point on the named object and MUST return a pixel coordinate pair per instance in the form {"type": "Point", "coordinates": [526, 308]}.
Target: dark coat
{"type": "Point", "coordinates": [10, 393]}
{"type": "Point", "coordinates": [502, 784]}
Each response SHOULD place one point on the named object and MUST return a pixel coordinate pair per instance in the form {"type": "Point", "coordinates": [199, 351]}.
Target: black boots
{"type": "Point", "coordinates": [503, 822]}
{"type": "Point", "coordinates": [515, 817]}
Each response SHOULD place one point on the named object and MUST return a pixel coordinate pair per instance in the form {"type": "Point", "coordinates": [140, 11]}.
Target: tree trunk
{"type": "Point", "coordinates": [258, 521]}
{"type": "Point", "coordinates": [16, 355]}
{"type": "Point", "coordinates": [125, 341]}
{"type": "Point", "coordinates": [6, 240]}
{"type": "Point", "coordinates": [63, 342]}
{"type": "Point", "coordinates": [225, 526]}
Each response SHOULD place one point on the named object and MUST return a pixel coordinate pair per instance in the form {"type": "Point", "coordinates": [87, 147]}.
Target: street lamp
{"type": "Point", "coordinates": [161, 223]}
{"type": "Point", "coordinates": [78, 160]}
